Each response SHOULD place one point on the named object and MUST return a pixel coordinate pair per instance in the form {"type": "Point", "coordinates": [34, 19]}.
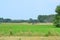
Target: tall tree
{"type": "Point", "coordinates": [57, 16]}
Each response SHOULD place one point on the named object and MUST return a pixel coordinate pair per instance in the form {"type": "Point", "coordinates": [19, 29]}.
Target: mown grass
{"type": "Point", "coordinates": [28, 30]}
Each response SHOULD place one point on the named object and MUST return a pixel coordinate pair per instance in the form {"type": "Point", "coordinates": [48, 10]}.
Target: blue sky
{"type": "Point", "coordinates": [25, 9]}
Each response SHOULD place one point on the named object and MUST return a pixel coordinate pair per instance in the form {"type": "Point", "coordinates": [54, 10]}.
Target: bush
{"type": "Point", "coordinates": [57, 25]}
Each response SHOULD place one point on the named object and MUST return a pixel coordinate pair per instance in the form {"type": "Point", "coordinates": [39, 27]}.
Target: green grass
{"type": "Point", "coordinates": [22, 29]}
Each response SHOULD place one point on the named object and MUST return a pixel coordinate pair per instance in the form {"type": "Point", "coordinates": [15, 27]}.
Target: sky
{"type": "Point", "coordinates": [25, 9]}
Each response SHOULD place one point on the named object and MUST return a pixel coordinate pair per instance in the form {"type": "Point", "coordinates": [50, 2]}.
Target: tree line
{"type": "Point", "coordinates": [40, 18]}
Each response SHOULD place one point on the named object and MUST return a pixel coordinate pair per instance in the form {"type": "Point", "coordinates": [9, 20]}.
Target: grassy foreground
{"type": "Point", "coordinates": [18, 29]}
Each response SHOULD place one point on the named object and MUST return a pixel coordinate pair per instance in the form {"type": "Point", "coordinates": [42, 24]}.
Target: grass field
{"type": "Point", "coordinates": [19, 29]}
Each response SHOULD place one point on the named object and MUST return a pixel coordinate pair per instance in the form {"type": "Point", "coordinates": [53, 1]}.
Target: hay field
{"type": "Point", "coordinates": [30, 38]}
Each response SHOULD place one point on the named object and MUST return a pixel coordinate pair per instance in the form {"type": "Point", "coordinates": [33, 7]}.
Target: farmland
{"type": "Point", "coordinates": [25, 29]}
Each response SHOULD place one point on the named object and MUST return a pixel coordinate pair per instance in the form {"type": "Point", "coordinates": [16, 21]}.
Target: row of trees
{"type": "Point", "coordinates": [4, 20]}
{"type": "Point", "coordinates": [40, 18]}
{"type": "Point", "coordinates": [46, 18]}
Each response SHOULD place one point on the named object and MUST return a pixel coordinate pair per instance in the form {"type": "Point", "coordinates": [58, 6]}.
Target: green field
{"type": "Point", "coordinates": [18, 29]}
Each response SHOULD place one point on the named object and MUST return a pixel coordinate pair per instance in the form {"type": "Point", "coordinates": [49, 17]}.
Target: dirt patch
{"type": "Point", "coordinates": [29, 38]}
